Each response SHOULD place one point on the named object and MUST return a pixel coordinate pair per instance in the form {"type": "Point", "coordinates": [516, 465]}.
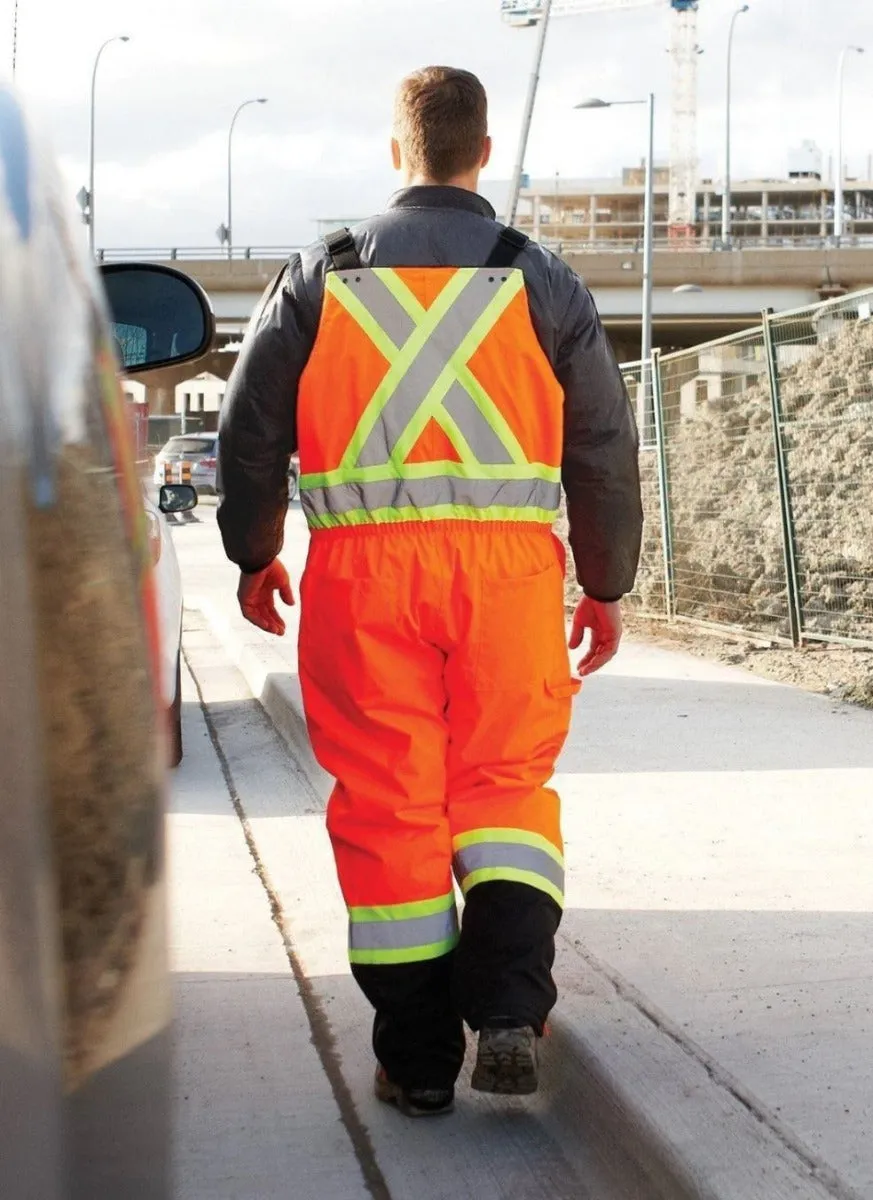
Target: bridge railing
{"type": "Point", "coordinates": [757, 468]}
{"type": "Point", "coordinates": [559, 245]}
{"type": "Point", "coordinates": [115, 254]}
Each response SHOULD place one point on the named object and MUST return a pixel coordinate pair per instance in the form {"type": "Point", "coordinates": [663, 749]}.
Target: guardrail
{"type": "Point", "coordinates": [191, 253]}
{"type": "Point", "coordinates": [559, 245]}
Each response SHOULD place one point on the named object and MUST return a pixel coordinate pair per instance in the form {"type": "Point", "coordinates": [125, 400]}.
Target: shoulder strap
{"type": "Point", "coordinates": [510, 244]}
{"type": "Point", "coordinates": [343, 251]}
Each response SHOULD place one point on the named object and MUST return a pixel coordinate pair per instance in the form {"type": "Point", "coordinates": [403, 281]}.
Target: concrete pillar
{"type": "Point", "coordinates": [592, 218]}
{"type": "Point", "coordinates": [824, 215]}
{"type": "Point", "coordinates": [537, 218]}
{"type": "Point", "coordinates": [707, 208]}
{"type": "Point", "coordinates": [765, 220]}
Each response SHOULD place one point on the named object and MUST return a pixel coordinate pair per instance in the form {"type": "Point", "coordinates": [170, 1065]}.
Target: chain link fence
{"type": "Point", "coordinates": [758, 476]}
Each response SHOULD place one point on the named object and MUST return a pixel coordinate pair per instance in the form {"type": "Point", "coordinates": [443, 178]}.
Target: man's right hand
{"type": "Point", "coordinates": [256, 594]}
{"type": "Point", "coordinates": [604, 621]}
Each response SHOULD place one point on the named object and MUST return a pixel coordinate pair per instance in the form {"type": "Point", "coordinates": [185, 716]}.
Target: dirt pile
{"type": "Point", "coordinates": [727, 527]}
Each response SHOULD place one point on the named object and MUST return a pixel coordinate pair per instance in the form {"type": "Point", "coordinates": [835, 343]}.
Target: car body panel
{"type": "Point", "coordinates": [168, 580]}
{"type": "Point", "coordinates": [84, 1001]}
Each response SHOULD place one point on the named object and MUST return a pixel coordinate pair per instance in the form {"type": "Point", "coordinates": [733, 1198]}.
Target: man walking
{"type": "Point", "coordinates": [440, 376]}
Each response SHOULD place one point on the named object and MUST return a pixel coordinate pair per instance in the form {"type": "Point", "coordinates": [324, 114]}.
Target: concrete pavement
{"type": "Point", "coordinates": [717, 985]}
{"type": "Point", "coordinates": [273, 1064]}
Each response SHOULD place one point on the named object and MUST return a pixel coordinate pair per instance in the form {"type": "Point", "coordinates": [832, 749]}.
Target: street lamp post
{"type": "Point", "coordinates": [726, 197]}
{"type": "Point", "coordinates": [648, 217]}
{"type": "Point", "coordinates": [838, 190]}
{"type": "Point", "coordinates": [515, 186]}
{"type": "Point", "coordinates": [121, 38]}
{"type": "Point", "coordinates": [229, 228]}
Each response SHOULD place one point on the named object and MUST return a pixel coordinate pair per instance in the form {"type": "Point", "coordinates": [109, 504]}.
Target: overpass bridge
{"type": "Point", "coordinates": [720, 292]}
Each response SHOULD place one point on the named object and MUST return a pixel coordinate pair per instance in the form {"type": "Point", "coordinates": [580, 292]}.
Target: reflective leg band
{"type": "Point", "coordinates": [403, 933]}
{"type": "Point", "coordinates": [513, 855]}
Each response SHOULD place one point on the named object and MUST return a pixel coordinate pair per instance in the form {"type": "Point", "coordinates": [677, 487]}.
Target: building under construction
{"type": "Point", "coordinates": [796, 210]}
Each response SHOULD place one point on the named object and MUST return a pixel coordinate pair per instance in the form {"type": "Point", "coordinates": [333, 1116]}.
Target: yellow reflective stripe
{"type": "Point", "coordinates": [360, 313]}
{"type": "Point", "coordinates": [521, 837]}
{"type": "Point", "coordinates": [401, 362]}
{"type": "Point", "coordinates": [471, 343]}
{"type": "Point", "coordinates": [489, 410]}
{"type": "Point", "coordinates": [451, 429]}
{"type": "Point", "coordinates": [432, 470]}
{"type": "Point", "coordinates": [375, 958]}
{"type": "Point", "coordinates": [403, 912]}
{"type": "Point", "coordinates": [442, 512]}
{"type": "Point", "coordinates": [512, 875]}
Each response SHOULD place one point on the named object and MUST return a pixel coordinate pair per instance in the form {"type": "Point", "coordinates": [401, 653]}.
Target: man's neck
{"type": "Point", "coordinates": [468, 182]}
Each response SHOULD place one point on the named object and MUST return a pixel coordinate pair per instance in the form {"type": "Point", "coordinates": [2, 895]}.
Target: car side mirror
{"type": "Point", "coordinates": [177, 497]}
{"type": "Point", "coordinates": [160, 316]}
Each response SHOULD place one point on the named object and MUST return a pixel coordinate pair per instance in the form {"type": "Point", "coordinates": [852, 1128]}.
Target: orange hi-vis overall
{"type": "Point", "coordinates": [432, 645]}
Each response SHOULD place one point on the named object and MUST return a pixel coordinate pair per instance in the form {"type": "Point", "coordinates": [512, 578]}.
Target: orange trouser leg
{"type": "Point", "coordinates": [373, 685]}
{"type": "Point", "coordinates": [374, 692]}
{"type": "Point", "coordinates": [510, 694]}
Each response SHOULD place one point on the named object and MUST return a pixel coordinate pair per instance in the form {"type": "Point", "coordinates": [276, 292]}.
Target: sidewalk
{"type": "Point", "coordinates": [719, 835]}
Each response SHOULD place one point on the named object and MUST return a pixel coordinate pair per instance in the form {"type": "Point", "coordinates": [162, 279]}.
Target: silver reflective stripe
{"type": "Point", "coordinates": [426, 368]}
{"type": "Point", "coordinates": [481, 438]}
{"type": "Point", "coordinates": [404, 934]}
{"type": "Point", "coordinates": [431, 493]}
{"type": "Point", "coordinates": [382, 304]}
{"type": "Point", "coordinates": [495, 855]}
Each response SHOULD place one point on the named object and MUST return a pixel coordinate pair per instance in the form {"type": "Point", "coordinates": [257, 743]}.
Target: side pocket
{"type": "Point", "coordinates": [519, 631]}
{"type": "Point", "coordinates": [564, 689]}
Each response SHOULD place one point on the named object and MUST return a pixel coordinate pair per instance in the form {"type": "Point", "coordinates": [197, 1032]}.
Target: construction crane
{"type": "Point", "coordinates": [684, 51]}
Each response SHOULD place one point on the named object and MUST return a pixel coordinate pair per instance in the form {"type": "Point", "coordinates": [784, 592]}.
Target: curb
{"type": "Point", "coordinates": [650, 1093]}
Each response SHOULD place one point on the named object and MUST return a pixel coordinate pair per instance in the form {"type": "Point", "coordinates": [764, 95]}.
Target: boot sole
{"type": "Point", "coordinates": [391, 1093]}
{"type": "Point", "coordinates": [505, 1072]}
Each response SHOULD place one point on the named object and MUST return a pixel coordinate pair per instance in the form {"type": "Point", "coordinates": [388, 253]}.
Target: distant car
{"type": "Point", "coordinates": [193, 458]}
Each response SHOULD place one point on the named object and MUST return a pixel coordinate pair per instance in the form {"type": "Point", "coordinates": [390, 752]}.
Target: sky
{"type": "Point", "coordinates": [319, 148]}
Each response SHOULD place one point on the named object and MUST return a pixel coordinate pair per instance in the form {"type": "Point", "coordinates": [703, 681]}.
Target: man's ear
{"type": "Point", "coordinates": [396, 156]}
{"type": "Point", "coordinates": [486, 152]}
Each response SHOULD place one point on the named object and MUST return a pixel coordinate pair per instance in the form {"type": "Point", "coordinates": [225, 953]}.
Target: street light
{"type": "Point", "coordinates": [228, 229]}
{"type": "Point", "coordinates": [838, 191]}
{"type": "Point", "coordinates": [515, 186]}
{"type": "Point", "coordinates": [648, 217]}
{"type": "Point", "coordinates": [90, 198]}
{"type": "Point", "coordinates": [726, 197]}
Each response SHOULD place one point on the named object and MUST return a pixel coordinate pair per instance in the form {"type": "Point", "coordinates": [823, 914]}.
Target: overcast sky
{"type": "Point", "coordinates": [320, 146]}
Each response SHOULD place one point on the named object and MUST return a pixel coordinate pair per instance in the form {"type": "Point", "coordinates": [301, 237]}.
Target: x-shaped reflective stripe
{"type": "Point", "coordinates": [428, 351]}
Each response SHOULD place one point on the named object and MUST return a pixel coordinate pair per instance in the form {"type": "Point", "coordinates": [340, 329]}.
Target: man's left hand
{"type": "Point", "coordinates": [256, 594]}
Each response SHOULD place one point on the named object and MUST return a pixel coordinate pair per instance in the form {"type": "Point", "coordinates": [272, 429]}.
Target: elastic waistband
{"type": "Point", "coordinates": [432, 529]}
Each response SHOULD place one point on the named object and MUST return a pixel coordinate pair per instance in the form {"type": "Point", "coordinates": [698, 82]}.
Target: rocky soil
{"type": "Point", "coordinates": [727, 528]}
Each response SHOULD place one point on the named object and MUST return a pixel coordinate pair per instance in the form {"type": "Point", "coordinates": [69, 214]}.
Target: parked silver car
{"type": "Point", "coordinates": [193, 458]}
{"type": "Point", "coordinates": [189, 458]}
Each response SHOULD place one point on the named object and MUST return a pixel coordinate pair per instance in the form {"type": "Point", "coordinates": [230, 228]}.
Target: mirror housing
{"type": "Point", "coordinates": [160, 316]}
{"type": "Point", "coordinates": [177, 497]}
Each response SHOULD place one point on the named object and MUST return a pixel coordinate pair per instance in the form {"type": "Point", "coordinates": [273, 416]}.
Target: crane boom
{"type": "Point", "coordinates": [527, 12]}
{"type": "Point", "coordinates": [684, 51]}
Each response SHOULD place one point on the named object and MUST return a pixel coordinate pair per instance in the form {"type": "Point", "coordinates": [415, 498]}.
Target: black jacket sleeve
{"type": "Point", "coordinates": [600, 468]}
{"type": "Point", "coordinates": [258, 426]}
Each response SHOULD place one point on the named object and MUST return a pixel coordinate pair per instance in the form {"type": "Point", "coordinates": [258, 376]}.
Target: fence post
{"type": "Point", "coordinates": [663, 486]}
{"type": "Point", "coordinates": [789, 538]}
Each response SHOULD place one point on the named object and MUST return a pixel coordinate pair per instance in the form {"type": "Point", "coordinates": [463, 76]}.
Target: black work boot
{"type": "Point", "coordinates": [507, 1060]}
{"type": "Point", "coordinates": [414, 1102]}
